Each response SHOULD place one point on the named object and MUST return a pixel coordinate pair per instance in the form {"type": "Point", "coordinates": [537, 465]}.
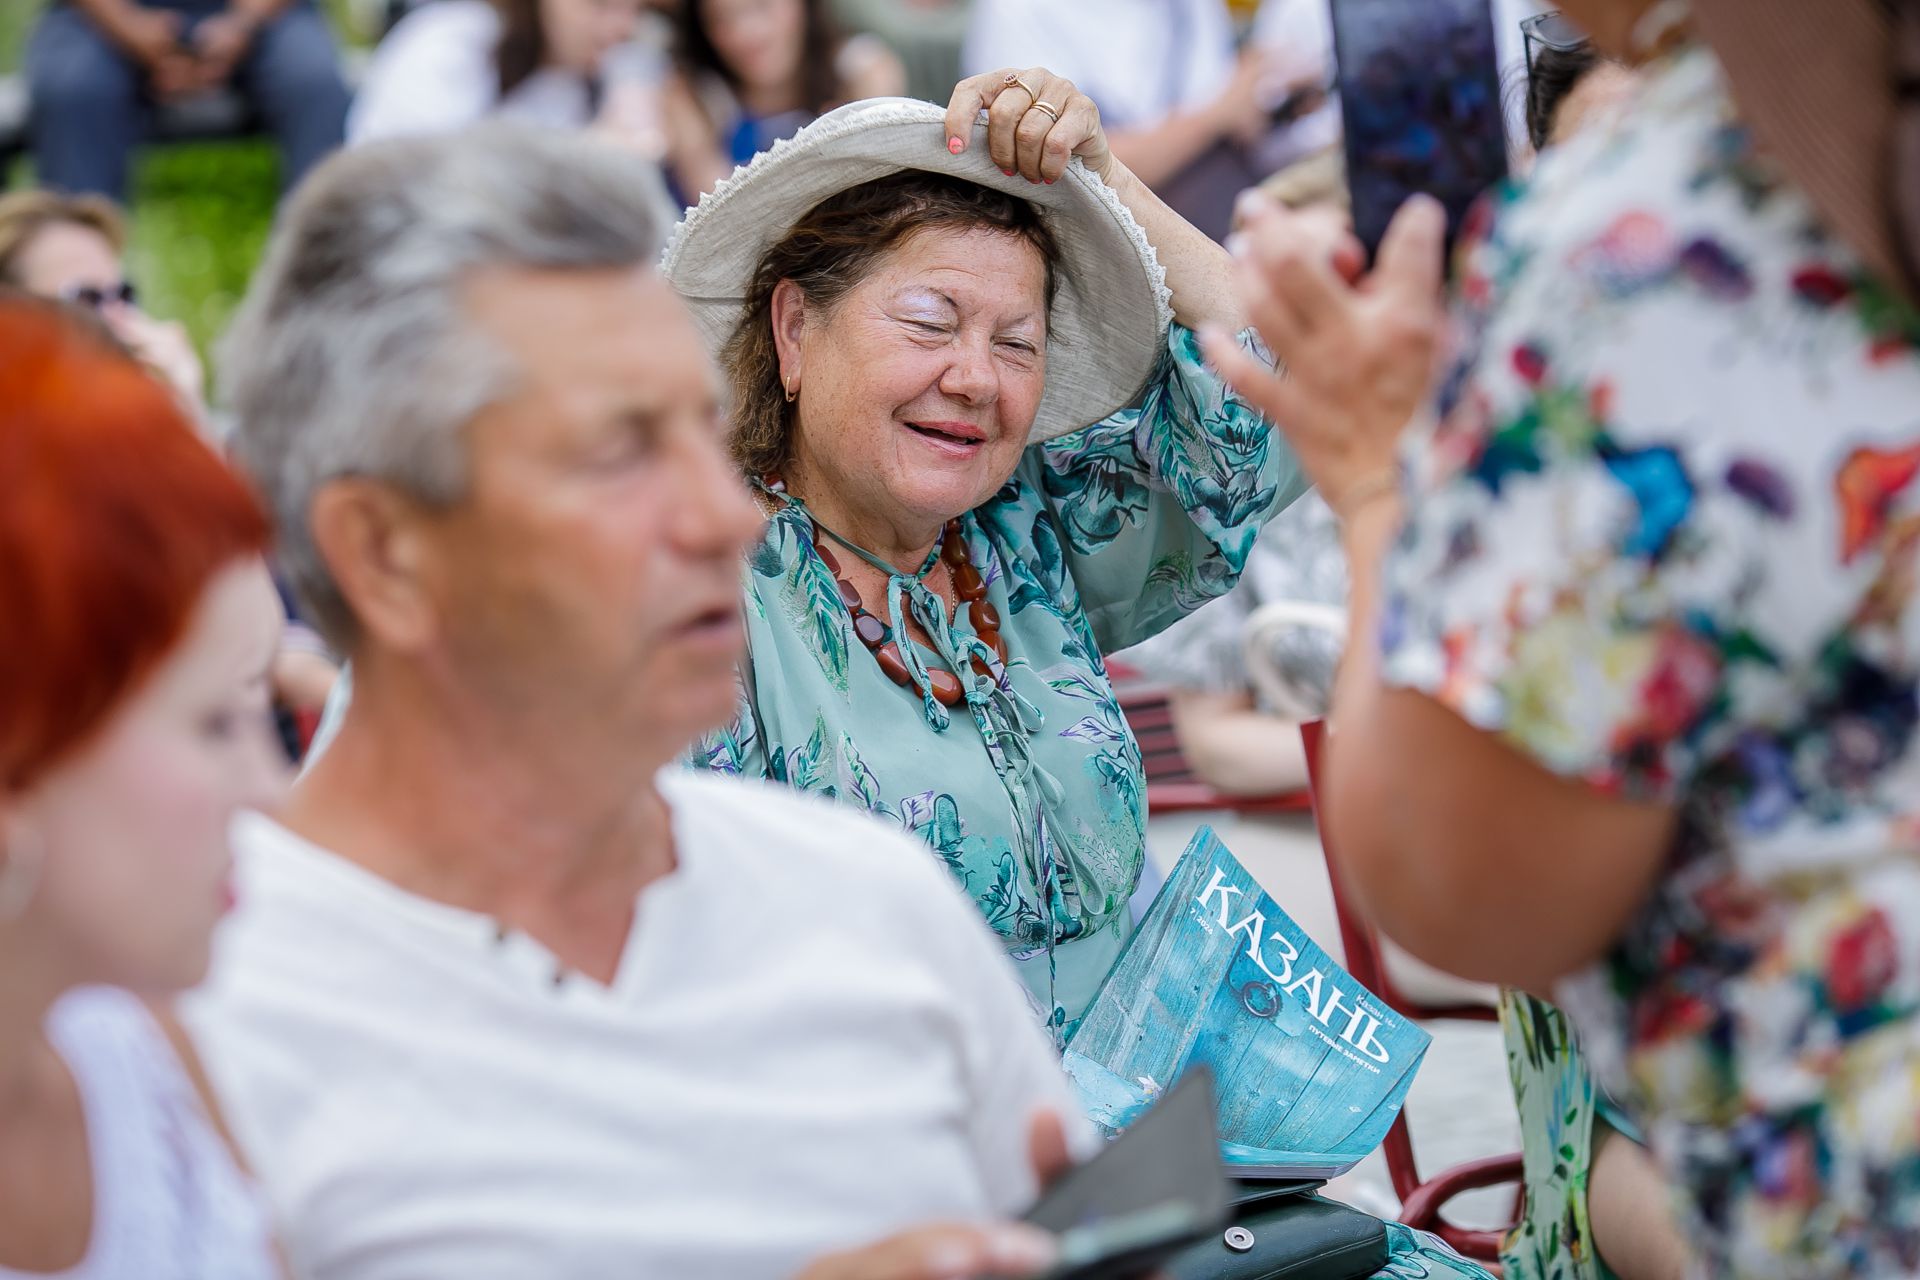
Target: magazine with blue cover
{"type": "Point", "coordinates": [1310, 1068]}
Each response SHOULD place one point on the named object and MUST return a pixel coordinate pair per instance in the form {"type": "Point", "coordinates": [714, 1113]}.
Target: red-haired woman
{"type": "Point", "coordinates": [136, 626]}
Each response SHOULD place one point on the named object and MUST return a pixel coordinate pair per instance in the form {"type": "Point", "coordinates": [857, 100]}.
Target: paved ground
{"type": "Point", "coordinates": [1460, 1107]}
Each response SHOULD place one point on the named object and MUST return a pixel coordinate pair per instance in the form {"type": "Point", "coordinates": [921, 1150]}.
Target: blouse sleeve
{"type": "Point", "coordinates": [1156, 508]}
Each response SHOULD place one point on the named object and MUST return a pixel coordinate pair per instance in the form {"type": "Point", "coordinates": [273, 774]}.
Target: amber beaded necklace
{"type": "Point", "coordinates": [878, 637]}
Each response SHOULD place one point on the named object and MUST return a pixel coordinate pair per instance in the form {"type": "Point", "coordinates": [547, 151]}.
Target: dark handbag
{"type": "Point", "coordinates": [1287, 1231]}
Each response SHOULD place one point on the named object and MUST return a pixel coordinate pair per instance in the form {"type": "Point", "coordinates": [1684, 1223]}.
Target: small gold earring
{"type": "Point", "coordinates": [792, 391]}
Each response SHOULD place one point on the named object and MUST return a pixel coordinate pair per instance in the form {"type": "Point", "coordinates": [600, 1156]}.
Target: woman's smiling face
{"type": "Point", "coordinates": [918, 389]}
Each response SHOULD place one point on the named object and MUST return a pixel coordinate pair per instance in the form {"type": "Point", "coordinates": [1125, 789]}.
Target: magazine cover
{"type": "Point", "coordinates": [1310, 1068]}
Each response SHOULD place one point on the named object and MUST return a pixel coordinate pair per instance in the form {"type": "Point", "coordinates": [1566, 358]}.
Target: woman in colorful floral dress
{"type": "Point", "coordinates": [1631, 712]}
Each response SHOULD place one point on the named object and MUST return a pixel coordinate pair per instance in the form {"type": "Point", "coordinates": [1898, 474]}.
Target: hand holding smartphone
{"type": "Point", "coordinates": [1419, 88]}
{"type": "Point", "coordinates": [1155, 1189]}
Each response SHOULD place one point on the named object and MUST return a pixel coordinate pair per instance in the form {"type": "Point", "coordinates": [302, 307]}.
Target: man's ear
{"type": "Point", "coordinates": [374, 541]}
{"type": "Point", "coordinates": [789, 308]}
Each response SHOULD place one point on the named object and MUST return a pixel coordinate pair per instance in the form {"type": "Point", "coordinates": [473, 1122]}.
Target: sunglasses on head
{"type": "Point", "coordinates": [1550, 31]}
{"type": "Point", "coordinates": [93, 297]}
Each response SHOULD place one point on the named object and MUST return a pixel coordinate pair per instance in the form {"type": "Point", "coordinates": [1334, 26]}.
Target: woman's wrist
{"type": "Point", "coordinates": [1365, 532]}
{"type": "Point", "coordinates": [1369, 489]}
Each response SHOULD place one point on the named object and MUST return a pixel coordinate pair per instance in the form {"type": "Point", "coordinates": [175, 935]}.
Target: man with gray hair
{"type": "Point", "coordinates": [508, 994]}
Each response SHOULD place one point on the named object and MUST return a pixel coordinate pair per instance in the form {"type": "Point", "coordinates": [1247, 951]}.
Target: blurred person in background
{"type": "Point", "coordinates": [752, 72]}
{"type": "Point", "coordinates": [1570, 84]}
{"type": "Point", "coordinates": [560, 64]}
{"type": "Point", "coordinates": [1629, 712]}
{"type": "Point", "coordinates": [1237, 741]}
{"type": "Point", "coordinates": [1198, 110]}
{"type": "Point", "coordinates": [1229, 733]}
{"type": "Point", "coordinates": [95, 68]}
{"type": "Point", "coordinates": [1186, 113]}
{"type": "Point", "coordinates": [70, 248]}
{"type": "Point", "coordinates": [509, 993]}
{"type": "Point", "coordinates": [139, 625]}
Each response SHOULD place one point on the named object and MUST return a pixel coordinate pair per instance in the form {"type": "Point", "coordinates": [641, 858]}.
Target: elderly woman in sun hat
{"type": "Point", "coordinates": [969, 395]}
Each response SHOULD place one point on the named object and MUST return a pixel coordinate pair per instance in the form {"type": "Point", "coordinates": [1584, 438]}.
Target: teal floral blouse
{"type": "Point", "coordinates": [1031, 791]}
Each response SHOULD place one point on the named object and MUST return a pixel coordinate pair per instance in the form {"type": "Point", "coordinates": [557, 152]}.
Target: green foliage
{"type": "Point", "coordinates": [201, 213]}
{"type": "Point", "coordinates": [16, 17]}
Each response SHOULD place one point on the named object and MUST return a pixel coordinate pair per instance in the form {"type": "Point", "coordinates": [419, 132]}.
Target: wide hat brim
{"type": "Point", "coordinates": [1107, 329]}
{"type": "Point", "coordinates": [1814, 80]}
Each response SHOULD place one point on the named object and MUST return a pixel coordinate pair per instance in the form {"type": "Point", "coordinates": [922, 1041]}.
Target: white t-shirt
{"type": "Point", "coordinates": [812, 1041]}
{"type": "Point", "coordinates": [436, 72]}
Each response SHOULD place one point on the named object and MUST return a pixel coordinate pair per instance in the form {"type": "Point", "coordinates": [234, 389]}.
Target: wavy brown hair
{"type": "Point", "coordinates": [523, 43]}
{"type": "Point", "coordinates": [820, 44]}
{"type": "Point", "coordinates": [833, 247]}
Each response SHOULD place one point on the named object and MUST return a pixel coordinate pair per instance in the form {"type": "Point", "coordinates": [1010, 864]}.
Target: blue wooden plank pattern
{"type": "Point", "coordinates": [1310, 1068]}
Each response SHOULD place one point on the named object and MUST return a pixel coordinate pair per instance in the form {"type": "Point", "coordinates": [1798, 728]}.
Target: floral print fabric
{"type": "Point", "coordinates": [1558, 1105]}
{"type": "Point", "coordinates": [1032, 795]}
{"type": "Point", "coordinates": [1296, 558]}
{"type": "Point", "coordinates": [1664, 541]}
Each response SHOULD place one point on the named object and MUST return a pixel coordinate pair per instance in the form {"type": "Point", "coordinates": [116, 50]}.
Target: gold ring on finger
{"type": "Point", "coordinates": [1013, 81]}
{"type": "Point", "coordinates": [1047, 107]}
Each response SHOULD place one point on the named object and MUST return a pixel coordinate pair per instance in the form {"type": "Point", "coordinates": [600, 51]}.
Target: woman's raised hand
{"type": "Point", "coordinates": [1358, 350]}
{"type": "Point", "coordinates": [1036, 122]}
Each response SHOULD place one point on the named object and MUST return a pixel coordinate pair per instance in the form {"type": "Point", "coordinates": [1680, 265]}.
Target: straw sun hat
{"type": "Point", "coordinates": [1829, 89]}
{"type": "Point", "coordinates": [1108, 324]}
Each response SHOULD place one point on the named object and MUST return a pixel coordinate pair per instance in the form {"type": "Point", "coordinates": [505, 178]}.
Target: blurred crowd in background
{"type": "Point", "coordinates": [1203, 97]}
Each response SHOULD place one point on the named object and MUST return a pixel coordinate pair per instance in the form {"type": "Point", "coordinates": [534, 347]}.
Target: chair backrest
{"type": "Point", "coordinates": [1293, 695]}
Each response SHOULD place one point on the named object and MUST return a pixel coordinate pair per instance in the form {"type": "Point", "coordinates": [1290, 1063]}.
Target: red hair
{"type": "Point", "coordinates": [114, 518]}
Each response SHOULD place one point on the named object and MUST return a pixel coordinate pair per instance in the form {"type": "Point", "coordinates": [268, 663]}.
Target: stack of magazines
{"type": "Point", "coordinates": [1310, 1068]}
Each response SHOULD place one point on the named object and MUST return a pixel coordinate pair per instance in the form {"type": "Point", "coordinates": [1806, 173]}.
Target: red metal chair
{"type": "Point", "coordinates": [1421, 1200]}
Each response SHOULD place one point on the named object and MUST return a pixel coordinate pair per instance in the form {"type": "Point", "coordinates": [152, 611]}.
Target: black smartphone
{"type": "Point", "coordinates": [1155, 1189]}
{"type": "Point", "coordinates": [1420, 98]}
